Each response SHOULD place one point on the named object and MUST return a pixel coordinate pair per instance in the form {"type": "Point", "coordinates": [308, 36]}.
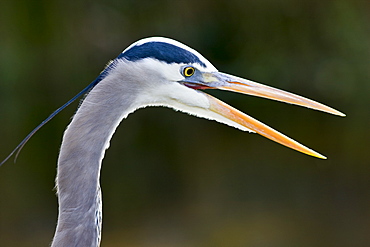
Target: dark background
{"type": "Point", "coordinates": [170, 179]}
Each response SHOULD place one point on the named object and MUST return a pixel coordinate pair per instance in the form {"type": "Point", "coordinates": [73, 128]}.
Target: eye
{"type": "Point", "coordinates": [188, 71]}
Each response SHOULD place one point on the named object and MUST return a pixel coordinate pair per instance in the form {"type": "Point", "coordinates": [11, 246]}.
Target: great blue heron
{"type": "Point", "coordinates": [151, 72]}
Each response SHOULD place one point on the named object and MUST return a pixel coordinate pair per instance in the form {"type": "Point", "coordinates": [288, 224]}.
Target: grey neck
{"type": "Point", "coordinates": [83, 147]}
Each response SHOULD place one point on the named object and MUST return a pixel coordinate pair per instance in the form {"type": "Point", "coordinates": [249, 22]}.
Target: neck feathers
{"type": "Point", "coordinates": [83, 147]}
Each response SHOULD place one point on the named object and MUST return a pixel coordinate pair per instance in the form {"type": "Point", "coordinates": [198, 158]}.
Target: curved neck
{"type": "Point", "coordinates": [83, 147]}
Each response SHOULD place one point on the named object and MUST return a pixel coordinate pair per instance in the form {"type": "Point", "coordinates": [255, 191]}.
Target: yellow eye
{"type": "Point", "coordinates": [188, 71]}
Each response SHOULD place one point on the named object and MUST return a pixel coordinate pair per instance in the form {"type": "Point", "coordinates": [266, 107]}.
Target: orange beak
{"type": "Point", "coordinates": [218, 80]}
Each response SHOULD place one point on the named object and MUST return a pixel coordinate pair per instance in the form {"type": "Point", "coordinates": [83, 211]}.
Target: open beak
{"type": "Point", "coordinates": [218, 80]}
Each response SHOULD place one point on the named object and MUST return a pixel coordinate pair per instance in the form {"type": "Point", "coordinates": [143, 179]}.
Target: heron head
{"type": "Point", "coordinates": [177, 76]}
{"type": "Point", "coordinates": [165, 72]}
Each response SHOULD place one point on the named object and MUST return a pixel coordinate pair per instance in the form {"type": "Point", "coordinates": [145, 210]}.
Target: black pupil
{"type": "Point", "coordinates": [189, 71]}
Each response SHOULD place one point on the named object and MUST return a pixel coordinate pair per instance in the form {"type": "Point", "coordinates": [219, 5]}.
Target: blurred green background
{"type": "Point", "coordinates": [170, 179]}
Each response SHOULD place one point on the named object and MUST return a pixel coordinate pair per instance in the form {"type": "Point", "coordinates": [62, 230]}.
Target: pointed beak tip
{"type": "Point", "coordinates": [311, 152]}
{"type": "Point", "coordinates": [322, 157]}
{"type": "Point", "coordinates": [317, 155]}
{"type": "Point", "coordinates": [337, 113]}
